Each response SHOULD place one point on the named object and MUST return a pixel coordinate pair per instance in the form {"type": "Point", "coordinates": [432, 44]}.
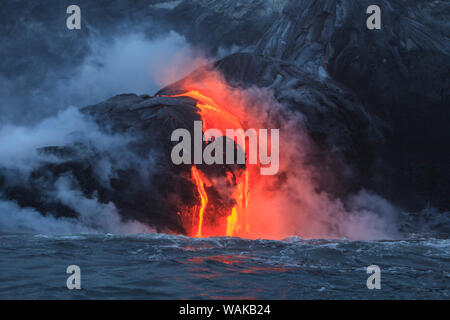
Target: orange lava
{"type": "Point", "coordinates": [213, 116]}
{"type": "Point", "coordinates": [237, 221]}
{"type": "Point", "coordinates": [203, 198]}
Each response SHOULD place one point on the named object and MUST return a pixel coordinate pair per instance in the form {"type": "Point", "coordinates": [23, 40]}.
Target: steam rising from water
{"type": "Point", "coordinates": [283, 205]}
{"type": "Point", "coordinates": [130, 63]}
{"type": "Point", "coordinates": [289, 203]}
{"type": "Point", "coordinates": [18, 150]}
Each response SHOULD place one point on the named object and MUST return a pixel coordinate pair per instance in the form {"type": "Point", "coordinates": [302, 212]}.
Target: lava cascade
{"type": "Point", "coordinates": [237, 220]}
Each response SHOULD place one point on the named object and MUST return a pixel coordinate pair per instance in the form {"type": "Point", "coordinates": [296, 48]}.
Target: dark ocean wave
{"type": "Point", "coordinates": [159, 266]}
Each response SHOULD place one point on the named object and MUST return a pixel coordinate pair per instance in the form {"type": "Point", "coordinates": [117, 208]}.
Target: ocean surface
{"type": "Point", "coordinates": [159, 266]}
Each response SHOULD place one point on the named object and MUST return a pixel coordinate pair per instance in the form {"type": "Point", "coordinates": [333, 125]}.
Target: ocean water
{"type": "Point", "coordinates": [159, 266]}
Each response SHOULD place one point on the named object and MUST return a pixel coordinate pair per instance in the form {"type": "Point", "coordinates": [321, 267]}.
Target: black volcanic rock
{"type": "Point", "coordinates": [409, 55]}
{"type": "Point", "coordinates": [223, 24]}
{"type": "Point", "coordinates": [400, 73]}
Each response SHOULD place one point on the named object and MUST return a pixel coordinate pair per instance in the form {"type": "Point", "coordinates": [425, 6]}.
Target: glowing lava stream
{"type": "Point", "coordinates": [203, 197]}
{"type": "Point", "coordinates": [213, 116]}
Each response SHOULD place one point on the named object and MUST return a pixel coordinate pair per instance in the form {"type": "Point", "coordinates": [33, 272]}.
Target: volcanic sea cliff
{"type": "Point", "coordinates": [369, 107]}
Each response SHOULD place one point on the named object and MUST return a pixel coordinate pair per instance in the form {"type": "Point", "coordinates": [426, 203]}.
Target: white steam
{"type": "Point", "coordinates": [130, 63]}
{"type": "Point", "coordinates": [289, 203]}
{"type": "Point", "coordinates": [126, 63]}
{"type": "Point", "coordinates": [133, 64]}
{"type": "Point", "coordinates": [18, 152]}
{"type": "Point", "coordinates": [19, 144]}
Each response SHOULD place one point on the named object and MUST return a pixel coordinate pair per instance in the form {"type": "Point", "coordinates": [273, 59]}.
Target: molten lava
{"type": "Point", "coordinates": [237, 221]}
{"type": "Point", "coordinates": [203, 198]}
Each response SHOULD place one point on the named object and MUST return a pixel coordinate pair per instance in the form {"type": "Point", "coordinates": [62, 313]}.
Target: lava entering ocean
{"type": "Point", "coordinates": [238, 199]}
{"type": "Point", "coordinates": [237, 223]}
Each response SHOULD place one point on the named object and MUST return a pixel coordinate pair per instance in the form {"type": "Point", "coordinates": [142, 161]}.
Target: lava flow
{"type": "Point", "coordinates": [237, 220]}
{"type": "Point", "coordinates": [203, 197]}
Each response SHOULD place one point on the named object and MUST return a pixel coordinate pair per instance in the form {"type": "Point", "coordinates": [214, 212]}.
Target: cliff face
{"type": "Point", "coordinates": [400, 73]}
{"type": "Point", "coordinates": [375, 102]}
{"type": "Point", "coordinates": [225, 24]}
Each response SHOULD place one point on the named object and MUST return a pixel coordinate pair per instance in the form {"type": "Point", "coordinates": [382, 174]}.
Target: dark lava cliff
{"type": "Point", "coordinates": [375, 102]}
